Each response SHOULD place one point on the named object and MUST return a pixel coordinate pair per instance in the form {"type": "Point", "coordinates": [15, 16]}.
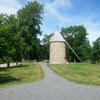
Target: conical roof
{"type": "Point", "coordinates": [57, 37]}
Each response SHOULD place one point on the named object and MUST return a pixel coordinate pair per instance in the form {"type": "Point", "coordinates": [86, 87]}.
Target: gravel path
{"type": "Point", "coordinates": [52, 87]}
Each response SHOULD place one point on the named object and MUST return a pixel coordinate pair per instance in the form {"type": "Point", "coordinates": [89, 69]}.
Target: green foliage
{"type": "Point", "coordinates": [96, 51]}
{"type": "Point", "coordinates": [76, 37]}
{"type": "Point", "coordinates": [18, 34]}
{"type": "Point", "coordinates": [19, 37]}
{"type": "Point", "coordinates": [7, 34]}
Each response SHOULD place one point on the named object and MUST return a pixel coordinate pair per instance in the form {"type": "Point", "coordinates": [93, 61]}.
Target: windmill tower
{"type": "Point", "coordinates": [57, 49]}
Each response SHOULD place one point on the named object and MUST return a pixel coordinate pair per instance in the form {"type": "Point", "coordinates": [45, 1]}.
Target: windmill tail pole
{"type": "Point", "coordinates": [74, 52]}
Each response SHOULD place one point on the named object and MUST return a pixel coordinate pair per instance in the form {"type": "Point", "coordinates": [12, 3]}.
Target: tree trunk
{"type": "Point", "coordinates": [8, 64]}
{"type": "Point", "coordinates": [16, 63]}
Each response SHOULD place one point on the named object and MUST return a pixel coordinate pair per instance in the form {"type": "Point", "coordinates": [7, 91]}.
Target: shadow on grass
{"type": "Point", "coordinates": [5, 78]}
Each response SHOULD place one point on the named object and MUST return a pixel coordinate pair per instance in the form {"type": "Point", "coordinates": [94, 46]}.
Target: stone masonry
{"type": "Point", "coordinates": [57, 49]}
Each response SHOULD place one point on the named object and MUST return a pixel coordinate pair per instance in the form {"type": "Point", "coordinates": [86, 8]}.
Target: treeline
{"type": "Point", "coordinates": [76, 36]}
{"type": "Point", "coordinates": [19, 34]}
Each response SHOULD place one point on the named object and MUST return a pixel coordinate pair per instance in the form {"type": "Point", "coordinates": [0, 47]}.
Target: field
{"type": "Point", "coordinates": [79, 72]}
{"type": "Point", "coordinates": [20, 74]}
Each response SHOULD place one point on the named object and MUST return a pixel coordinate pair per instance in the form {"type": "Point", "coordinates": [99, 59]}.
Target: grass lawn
{"type": "Point", "coordinates": [20, 74]}
{"type": "Point", "coordinates": [79, 72]}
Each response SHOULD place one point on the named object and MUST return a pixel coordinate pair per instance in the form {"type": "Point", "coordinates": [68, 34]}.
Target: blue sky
{"type": "Point", "coordinates": [63, 13]}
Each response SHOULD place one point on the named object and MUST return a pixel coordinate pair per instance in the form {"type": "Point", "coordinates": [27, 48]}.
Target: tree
{"type": "Point", "coordinates": [29, 21]}
{"type": "Point", "coordinates": [7, 33]}
{"type": "Point", "coordinates": [18, 46]}
{"type": "Point", "coordinates": [10, 40]}
{"type": "Point", "coordinates": [18, 34]}
{"type": "Point", "coordinates": [95, 57]}
{"type": "Point", "coordinates": [2, 39]}
{"type": "Point", "coordinates": [76, 37]}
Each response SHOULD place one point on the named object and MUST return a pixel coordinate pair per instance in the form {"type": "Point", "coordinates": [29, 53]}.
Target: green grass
{"type": "Point", "coordinates": [79, 72]}
{"type": "Point", "coordinates": [20, 74]}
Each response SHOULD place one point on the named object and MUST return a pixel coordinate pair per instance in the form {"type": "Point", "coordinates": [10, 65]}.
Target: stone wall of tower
{"type": "Point", "coordinates": [57, 52]}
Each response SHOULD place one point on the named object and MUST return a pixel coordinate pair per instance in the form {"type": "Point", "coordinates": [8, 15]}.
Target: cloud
{"type": "Point", "coordinates": [94, 31]}
{"type": "Point", "coordinates": [58, 3]}
{"type": "Point", "coordinates": [9, 6]}
{"type": "Point", "coordinates": [93, 28]}
{"type": "Point", "coordinates": [12, 6]}
{"type": "Point", "coordinates": [52, 18]}
{"type": "Point", "coordinates": [66, 13]}
{"type": "Point", "coordinates": [52, 9]}
{"type": "Point", "coordinates": [58, 13]}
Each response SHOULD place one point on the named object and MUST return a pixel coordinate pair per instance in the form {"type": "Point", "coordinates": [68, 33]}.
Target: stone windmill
{"type": "Point", "coordinates": [57, 49]}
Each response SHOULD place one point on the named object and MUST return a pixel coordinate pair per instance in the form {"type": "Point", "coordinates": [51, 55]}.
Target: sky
{"type": "Point", "coordinates": [62, 13]}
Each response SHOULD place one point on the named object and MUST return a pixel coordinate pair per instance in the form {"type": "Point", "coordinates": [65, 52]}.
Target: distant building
{"type": "Point", "coordinates": [57, 49]}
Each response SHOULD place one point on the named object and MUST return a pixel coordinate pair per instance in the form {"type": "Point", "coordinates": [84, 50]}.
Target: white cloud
{"type": "Point", "coordinates": [53, 15]}
{"type": "Point", "coordinates": [52, 9]}
{"type": "Point", "coordinates": [94, 31]}
{"type": "Point", "coordinates": [58, 3]}
{"type": "Point", "coordinates": [92, 27]}
{"type": "Point", "coordinates": [9, 6]}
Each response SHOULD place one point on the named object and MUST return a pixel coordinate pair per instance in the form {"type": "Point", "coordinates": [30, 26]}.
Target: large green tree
{"type": "Point", "coordinates": [29, 21]}
{"type": "Point", "coordinates": [76, 37]}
